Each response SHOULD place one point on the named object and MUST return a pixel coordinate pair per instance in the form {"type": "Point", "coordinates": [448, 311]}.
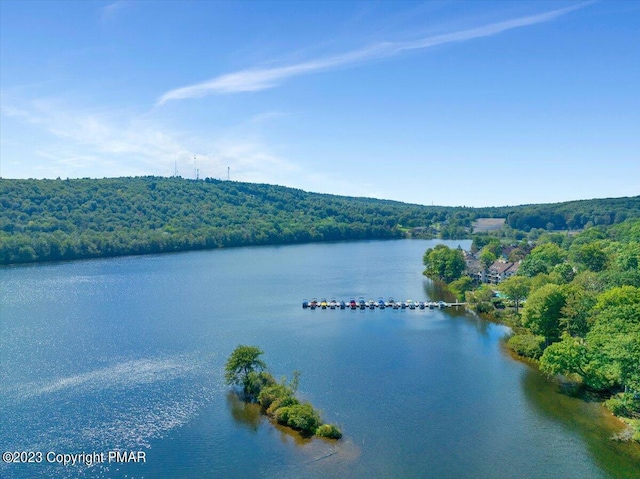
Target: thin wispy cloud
{"type": "Point", "coordinates": [257, 79]}
{"type": "Point", "coordinates": [113, 8]}
{"type": "Point", "coordinates": [121, 143]}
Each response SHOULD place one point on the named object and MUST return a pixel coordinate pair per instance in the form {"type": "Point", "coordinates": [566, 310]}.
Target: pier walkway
{"type": "Point", "coordinates": [379, 304]}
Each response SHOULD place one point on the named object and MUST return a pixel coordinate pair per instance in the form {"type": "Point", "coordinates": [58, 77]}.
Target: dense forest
{"type": "Point", "coordinates": [573, 215]}
{"type": "Point", "coordinates": [580, 314]}
{"type": "Point", "coordinates": [48, 220]}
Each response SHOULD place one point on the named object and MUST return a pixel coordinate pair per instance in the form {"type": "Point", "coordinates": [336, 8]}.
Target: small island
{"type": "Point", "coordinates": [277, 399]}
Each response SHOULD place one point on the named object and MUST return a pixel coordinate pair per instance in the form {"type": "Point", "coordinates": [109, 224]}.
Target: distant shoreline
{"type": "Point", "coordinates": [61, 220]}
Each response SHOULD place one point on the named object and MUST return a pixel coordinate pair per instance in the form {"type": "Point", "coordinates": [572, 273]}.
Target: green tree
{"type": "Point", "coordinates": [244, 361]}
{"type": "Point", "coordinates": [480, 299]}
{"type": "Point", "coordinates": [617, 297]}
{"type": "Point", "coordinates": [532, 266]}
{"type": "Point", "coordinates": [516, 288]}
{"type": "Point", "coordinates": [589, 281]}
{"type": "Point", "coordinates": [543, 310]}
{"type": "Point", "coordinates": [257, 381]}
{"type": "Point", "coordinates": [460, 286]}
{"type": "Point", "coordinates": [576, 311]}
{"type": "Point", "coordinates": [615, 336]}
{"type": "Point", "coordinates": [444, 263]}
{"type": "Point", "coordinates": [542, 259]}
{"type": "Point", "coordinates": [539, 280]}
{"type": "Point", "coordinates": [557, 238]}
{"type": "Point", "coordinates": [627, 256]}
{"type": "Point", "coordinates": [609, 355]}
{"type": "Point", "coordinates": [591, 255]}
{"type": "Point", "coordinates": [550, 253]}
{"type": "Point", "coordinates": [527, 345]}
{"type": "Point", "coordinates": [481, 241]}
{"type": "Point", "coordinates": [495, 247]}
{"type": "Point", "coordinates": [563, 273]}
{"type": "Point", "coordinates": [487, 257]}
{"type": "Point", "coordinates": [517, 254]}
{"type": "Point", "coordinates": [568, 356]}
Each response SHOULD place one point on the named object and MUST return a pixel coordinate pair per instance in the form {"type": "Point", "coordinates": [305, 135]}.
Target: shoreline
{"type": "Point", "coordinates": [212, 248]}
{"type": "Point", "coordinates": [626, 426]}
{"type": "Point", "coordinates": [567, 386]}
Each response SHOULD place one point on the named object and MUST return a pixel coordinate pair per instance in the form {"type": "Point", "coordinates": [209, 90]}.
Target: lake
{"type": "Point", "coordinates": [127, 354]}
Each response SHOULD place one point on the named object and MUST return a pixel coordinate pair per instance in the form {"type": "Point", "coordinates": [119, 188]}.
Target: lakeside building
{"type": "Point", "coordinates": [498, 272]}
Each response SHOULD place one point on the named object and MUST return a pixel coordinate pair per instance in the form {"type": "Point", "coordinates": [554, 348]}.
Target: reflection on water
{"type": "Point", "coordinates": [250, 416]}
{"type": "Point", "coordinates": [437, 291]}
{"type": "Point", "coordinates": [312, 452]}
{"type": "Point", "coordinates": [244, 413]}
{"type": "Point", "coordinates": [129, 353]}
{"type": "Point", "coordinates": [589, 419]}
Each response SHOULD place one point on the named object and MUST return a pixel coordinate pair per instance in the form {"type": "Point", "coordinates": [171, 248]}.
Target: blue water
{"type": "Point", "coordinates": [128, 354]}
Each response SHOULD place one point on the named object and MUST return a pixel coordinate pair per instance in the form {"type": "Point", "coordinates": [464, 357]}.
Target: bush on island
{"type": "Point", "coordinates": [329, 430]}
{"type": "Point", "coordinates": [257, 382]}
{"type": "Point", "coordinates": [301, 417]}
{"type": "Point", "coordinates": [272, 393]}
{"type": "Point", "coordinates": [280, 403]}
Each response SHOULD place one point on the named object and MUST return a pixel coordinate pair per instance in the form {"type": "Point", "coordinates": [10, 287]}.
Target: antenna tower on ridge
{"type": "Point", "coordinates": [228, 173]}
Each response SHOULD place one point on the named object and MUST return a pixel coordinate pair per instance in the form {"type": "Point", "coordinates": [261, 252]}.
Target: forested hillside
{"type": "Point", "coordinates": [45, 220]}
{"type": "Point", "coordinates": [573, 214]}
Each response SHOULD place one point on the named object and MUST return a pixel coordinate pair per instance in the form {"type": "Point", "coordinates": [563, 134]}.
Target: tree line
{"type": "Point", "coordinates": [49, 220]}
{"type": "Point", "coordinates": [581, 307]}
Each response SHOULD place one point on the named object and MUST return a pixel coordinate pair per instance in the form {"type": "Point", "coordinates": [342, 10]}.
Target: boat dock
{"type": "Point", "coordinates": [376, 304]}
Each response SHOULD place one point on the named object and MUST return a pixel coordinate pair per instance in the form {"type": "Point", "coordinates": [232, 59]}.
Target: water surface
{"type": "Point", "coordinates": [128, 354]}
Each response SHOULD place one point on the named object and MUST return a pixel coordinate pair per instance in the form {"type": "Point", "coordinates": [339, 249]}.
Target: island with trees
{"type": "Point", "coordinates": [573, 305]}
{"type": "Point", "coordinates": [277, 399]}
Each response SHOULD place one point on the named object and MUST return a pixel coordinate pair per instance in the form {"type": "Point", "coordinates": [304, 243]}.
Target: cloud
{"type": "Point", "coordinates": [122, 143]}
{"type": "Point", "coordinates": [113, 8]}
{"type": "Point", "coordinates": [257, 79]}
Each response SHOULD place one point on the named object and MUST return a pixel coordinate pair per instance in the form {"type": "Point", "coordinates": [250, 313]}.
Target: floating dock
{"type": "Point", "coordinates": [376, 304]}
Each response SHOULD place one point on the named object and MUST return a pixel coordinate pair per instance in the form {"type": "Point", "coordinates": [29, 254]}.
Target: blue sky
{"type": "Point", "coordinates": [447, 102]}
